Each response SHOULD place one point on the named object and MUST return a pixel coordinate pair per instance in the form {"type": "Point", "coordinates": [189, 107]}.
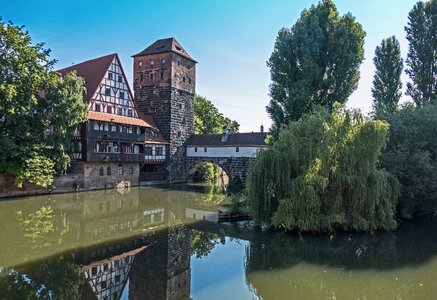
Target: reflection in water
{"type": "Point", "coordinates": [165, 244]}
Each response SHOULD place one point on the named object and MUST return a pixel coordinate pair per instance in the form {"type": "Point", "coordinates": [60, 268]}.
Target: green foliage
{"type": "Point", "coordinates": [315, 62]}
{"type": "Point", "coordinates": [411, 156]}
{"type": "Point", "coordinates": [387, 82]}
{"type": "Point", "coordinates": [208, 119]}
{"type": "Point", "coordinates": [422, 52]}
{"type": "Point", "coordinates": [321, 175]}
{"type": "Point", "coordinates": [39, 110]}
{"type": "Point", "coordinates": [202, 243]}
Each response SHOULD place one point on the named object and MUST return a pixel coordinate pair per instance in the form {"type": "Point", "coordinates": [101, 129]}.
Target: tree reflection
{"type": "Point", "coordinates": [383, 250]}
{"type": "Point", "coordinates": [57, 278]}
{"type": "Point", "coordinates": [202, 243]}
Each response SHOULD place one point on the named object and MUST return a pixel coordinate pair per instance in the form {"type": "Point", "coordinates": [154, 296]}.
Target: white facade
{"type": "Point", "coordinates": [223, 151]}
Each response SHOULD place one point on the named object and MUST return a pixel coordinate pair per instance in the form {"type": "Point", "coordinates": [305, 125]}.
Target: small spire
{"type": "Point", "coordinates": [261, 129]}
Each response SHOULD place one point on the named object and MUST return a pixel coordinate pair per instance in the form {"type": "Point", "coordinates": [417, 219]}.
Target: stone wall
{"type": "Point", "coordinates": [235, 167]}
{"type": "Point", "coordinates": [94, 180]}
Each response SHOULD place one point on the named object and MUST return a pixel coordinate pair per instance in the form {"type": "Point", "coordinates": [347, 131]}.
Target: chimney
{"type": "Point", "coordinates": [225, 134]}
{"type": "Point", "coordinates": [261, 129]}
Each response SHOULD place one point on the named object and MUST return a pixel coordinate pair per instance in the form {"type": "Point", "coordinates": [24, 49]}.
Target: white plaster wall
{"type": "Point", "coordinates": [222, 152]}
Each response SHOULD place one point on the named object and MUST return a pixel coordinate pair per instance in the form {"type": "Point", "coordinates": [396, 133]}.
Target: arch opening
{"type": "Point", "coordinates": [212, 176]}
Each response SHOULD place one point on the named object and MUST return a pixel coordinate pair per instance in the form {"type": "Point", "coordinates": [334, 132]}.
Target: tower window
{"type": "Point", "coordinates": [162, 75]}
{"type": "Point", "coordinates": [179, 133]}
{"type": "Point", "coordinates": [189, 80]}
{"type": "Point", "coordinates": [140, 64]}
{"type": "Point", "coordinates": [178, 62]}
{"type": "Point", "coordinates": [163, 61]}
{"type": "Point", "coordinates": [183, 79]}
{"type": "Point", "coordinates": [189, 66]}
{"type": "Point", "coordinates": [152, 62]}
{"type": "Point", "coordinates": [151, 76]}
{"type": "Point", "coordinates": [141, 77]}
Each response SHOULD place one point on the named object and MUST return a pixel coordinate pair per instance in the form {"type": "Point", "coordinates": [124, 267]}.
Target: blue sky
{"type": "Point", "coordinates": [230, 39]}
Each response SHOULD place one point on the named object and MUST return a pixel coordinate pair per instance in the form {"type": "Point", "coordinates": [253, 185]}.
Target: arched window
{"type": "Point", "coordinates": [101, 172]}
{"type": "Point", "coordinates": [108, 171]}
{"type": "Point", "coordinates": [120, 170]}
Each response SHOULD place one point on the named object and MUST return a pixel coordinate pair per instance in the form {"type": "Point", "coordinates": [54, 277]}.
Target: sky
{"type": "Point", "coordinates": [230, 39]}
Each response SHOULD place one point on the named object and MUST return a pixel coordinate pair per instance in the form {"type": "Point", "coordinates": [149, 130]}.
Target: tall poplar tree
{"type": "Point", "coordinates": [315, 62]}
{"type": "Point", "coordinates": [387, 82]}
{"type": "Point", "coordinates": [422, 53]}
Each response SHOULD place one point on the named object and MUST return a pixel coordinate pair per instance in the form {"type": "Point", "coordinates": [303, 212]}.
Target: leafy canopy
{"type": "Point", "coordinates": [39, 110]}
{"type": "Point", "coordinates": [315, 62]}
{"type": "Point", "coordinates": [411, 156]}
{"type": "Point", "coordinates": [387, 84]}
{"type": "Point", "coordinates": [208, 119]}
{"type": "Point", "coordinates": [422, 52]}
{"type": "Point", "coordinates": [321, 175]}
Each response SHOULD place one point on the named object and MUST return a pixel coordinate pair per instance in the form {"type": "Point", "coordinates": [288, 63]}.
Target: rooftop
{"type": "Point", "coordinates": [163, 46]}
{"type": "Point", "coordinates": [234, 139]}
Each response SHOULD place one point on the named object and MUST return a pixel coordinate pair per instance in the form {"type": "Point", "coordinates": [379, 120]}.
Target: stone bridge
{"type": "Point", "coordinates": [232, 152]}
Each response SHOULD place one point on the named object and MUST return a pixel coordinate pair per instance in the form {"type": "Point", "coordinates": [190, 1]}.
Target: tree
{"type": "Point", "coordinates": [315, 62]}
{"type": "Point", "coordinates": [422, 52]}
{"type": "Point", "coordinates": [321, 175]}
{"type": "Point", "coordinates": [208, 119]}
{"type": "Point", "coordinates": [411, 156]}
{"type": "Point", "coordinates": [39, 110]}
{"type": "Point", "coordinates": [387, 82]}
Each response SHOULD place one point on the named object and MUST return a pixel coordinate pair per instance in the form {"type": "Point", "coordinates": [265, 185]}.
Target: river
{"type": "Point", "coordinates": [162, 243]}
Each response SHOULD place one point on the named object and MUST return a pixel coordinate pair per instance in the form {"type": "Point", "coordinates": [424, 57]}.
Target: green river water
{"type": "Point", "coordinates": [159, 243]}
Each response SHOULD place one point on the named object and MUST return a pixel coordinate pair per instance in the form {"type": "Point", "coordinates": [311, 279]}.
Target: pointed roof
{"type": "Point", "coordinates": [165, 45]}
{"type": "Point", "coordinates": [93, 71]}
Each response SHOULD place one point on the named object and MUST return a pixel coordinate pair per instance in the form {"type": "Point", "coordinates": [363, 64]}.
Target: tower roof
{"type": "Point", "coordinates": [165, 45]}
{"type": "Point", "coordinates": [92, 70]}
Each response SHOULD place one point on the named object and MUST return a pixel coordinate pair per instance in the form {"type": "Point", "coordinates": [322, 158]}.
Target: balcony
{"type": "Point", "coordinates": [115, 157]}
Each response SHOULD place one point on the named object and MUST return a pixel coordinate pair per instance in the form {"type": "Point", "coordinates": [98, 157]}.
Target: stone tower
{"type": "Point", "coordinates": [164, 86]}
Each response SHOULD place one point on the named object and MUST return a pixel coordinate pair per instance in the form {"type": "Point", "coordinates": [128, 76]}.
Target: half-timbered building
{"type": "Point", "coordinates": [109, 149]}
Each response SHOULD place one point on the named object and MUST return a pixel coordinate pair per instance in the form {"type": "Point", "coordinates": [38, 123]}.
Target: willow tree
{"type": "Point", "coordinates": [321, 175]}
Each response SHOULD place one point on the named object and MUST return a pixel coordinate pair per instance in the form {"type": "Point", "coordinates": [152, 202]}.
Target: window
{"type": "Point", "coordinates": [162, 75]}
{"type": "Point", "coordinates": [148, 150]}
{"type": "Point", "coordinates": [120, 170]}
{"type": "Point", "coordinates": [120, 111]}
{"type": "Point", "coordinates": [110, 75]}
{"type": "Point", "coordinates": [195, 149]}
{"type": "Point", "coordinates": [163, 61]}
{"type": "Point", "coordinates": [114, 128]}
{"type": "Point", "coordinates": [129, 129]}
{"type": "Point", "coordinates": [237, 149]}
{"type": "Point", "coordinates": [94, 271]}
{"type": "Point", "coordinates": [178, 62]}
{"type": "Point", "coordinates": [205, 149]}
{"type": "Point", "coordinates": [151, 76]}
{"type": "Point", "coordinates": [108, 171]}
{"type": "Point", "coordinates": [109, 110]}
{"type": "Point", "coordinates": [152, 62]}
{"type": "Point", "coordinates": [179, 134]}
{"type": "Point", "coordinates": [158, 151]}
{"type": "Point", "coordinates": [141, 77]}
{"type": "Point", "coordinates": [101, 171]}
{"type": "Point", "coordinates": [183, 79]}
{"type": "Point", "coordinates": [120, 78]}
{"type": "Point", "coordinates": [131, 170]}
{"type": "Point", "coordinates": [97, 107]}
{"type": "Point", "coordinates": [108, 92]}
{"type": "Point", "coordinates": [129, 112]}
{"type": "Point", "coordinates": [106, 127]}
{"type": "Point", "coordinates": [180, 106]}
{"type": "Point", "coordinates": [121, 95]}
{"type": "Point", "coordinates": [103, 284]}
{"type": "Point", "coordinates": [140, 64]}
{"type": "Point", "coordinates": [189, 80]}
{"type": "Point", "coordinates": [189, 66]}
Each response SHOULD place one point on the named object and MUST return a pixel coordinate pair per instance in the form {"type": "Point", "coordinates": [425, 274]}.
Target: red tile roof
{"type": "Point", "coordinates": [92, 70]}
{"type": "Point", "coordinates": [99, 116]}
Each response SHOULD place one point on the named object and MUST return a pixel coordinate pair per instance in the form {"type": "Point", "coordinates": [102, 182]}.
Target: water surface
{"type": "Point", "coordinates": [150, 243]}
